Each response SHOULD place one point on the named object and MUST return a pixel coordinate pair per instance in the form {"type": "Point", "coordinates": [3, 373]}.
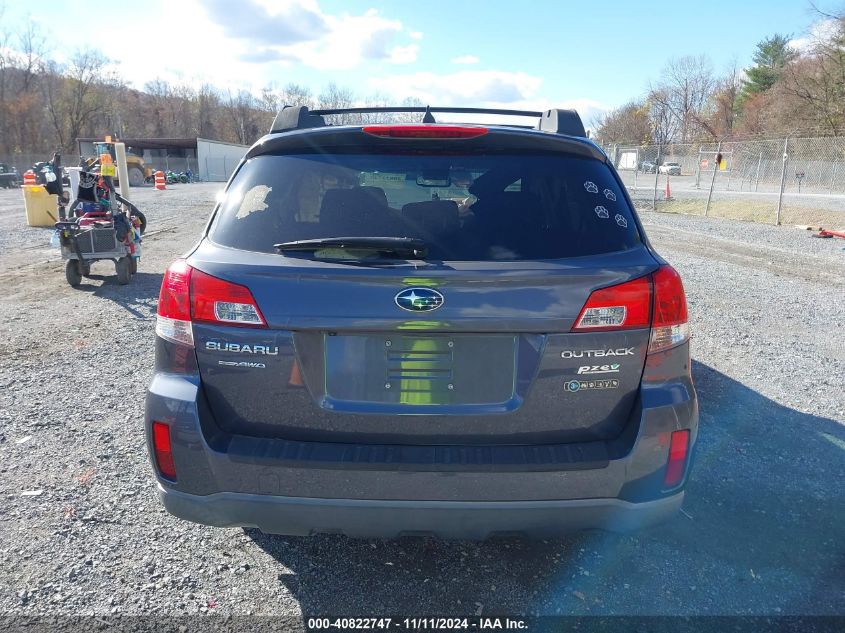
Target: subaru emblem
{"type": "Point", "coordinates": [419, 299]}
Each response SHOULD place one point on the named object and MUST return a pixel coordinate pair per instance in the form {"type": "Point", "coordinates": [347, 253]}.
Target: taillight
{"type": "Point", "coordinates": [425, 131]}
{"type": "Point", "coordinates": [173, 322]}
{"type": "Point", "coordinates": [669, 325]}
{"type": "Point", "coordinates": [621, 307]}
{"type": "Point", "coordinates": [656, 300]}
{"type": "Point", "coordinates": [678, 451]}
{"type": "Point", "coordinates": [163, 450]}
{"type": "Point", "coordinates": [215, 300]}
{"type": "Point", "coordinates": [190, 295]}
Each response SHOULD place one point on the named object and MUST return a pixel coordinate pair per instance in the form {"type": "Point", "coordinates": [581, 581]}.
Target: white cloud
{"type": "Point", "coordinates": [465, 59]}
{"type": "Point", "coordinates": [404, 54]}
{"type": "Point", "coordinates": [483, 89]}
{"type": "Point", "coordinates": [461, 88]}
{"type": "Point", "coordinates": [299, 31]}
{"type": "Point", "coordinates": [820, 31]}
{"type": "Point", "coordinates": [415, 35]}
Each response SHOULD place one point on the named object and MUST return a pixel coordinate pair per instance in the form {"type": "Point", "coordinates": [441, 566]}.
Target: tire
{"type": "Point", "coordinates": [133, 265]}
{"type": "Point", "coordinates": [122, 267]}
{"type": "Point", "coordinates": [143, 219]}
{"type": "Point", "coordinates": [136, 177]}
{"type": "Point", "coordinates": [73, 273]}
{"type": "Point", "coordinates": [85, 268]}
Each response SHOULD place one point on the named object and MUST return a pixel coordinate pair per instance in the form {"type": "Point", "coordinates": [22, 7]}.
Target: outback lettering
{"type": "Point", "coordinates": [597, 353]}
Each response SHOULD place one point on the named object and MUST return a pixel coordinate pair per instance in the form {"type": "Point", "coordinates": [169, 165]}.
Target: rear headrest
{"type": "Point", "coordinates": [516, 207]}
{"type": "Point", "coordinates": [434, 216]}
{"type": "Point", "coordinates": [344, 202]}
{"type": "Point", "coordinates": [377, 193]}
{"type": "Point", "coordinates": [355, 212]}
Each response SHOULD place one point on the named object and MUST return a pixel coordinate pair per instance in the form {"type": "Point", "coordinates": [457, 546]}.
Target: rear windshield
{"type": "Point", "coordinates": [469, 208]}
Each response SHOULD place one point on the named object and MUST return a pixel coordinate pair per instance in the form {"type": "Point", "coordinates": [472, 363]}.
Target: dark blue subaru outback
{"type": "Point", "coordinates": [458, 330]}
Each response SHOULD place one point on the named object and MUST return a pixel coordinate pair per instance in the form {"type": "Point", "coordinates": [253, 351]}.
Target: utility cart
{"type": "Point", "coordinates": [99, 224]}
{"type": "Point", "coordinates": [87, 239]}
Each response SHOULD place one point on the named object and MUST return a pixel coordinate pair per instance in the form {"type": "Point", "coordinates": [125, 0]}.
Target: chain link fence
{"type": "Point", "coordinates": [218, 169]}
{"type": "Point", "coordinates": [776, 181]}
{"type": "Point", "coordinates": [22, 162]}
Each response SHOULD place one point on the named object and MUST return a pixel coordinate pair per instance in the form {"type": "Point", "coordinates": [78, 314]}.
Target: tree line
{"type": "Point", "coordinates": [46, 106]}
{"type": "Point", "coordinates": [786, 91]}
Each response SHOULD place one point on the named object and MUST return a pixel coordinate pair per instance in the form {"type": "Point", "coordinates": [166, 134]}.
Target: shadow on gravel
{"type": "Point", "coordinates": [763, 533]}
{"type": "Point", "coordinates": [136, 297]}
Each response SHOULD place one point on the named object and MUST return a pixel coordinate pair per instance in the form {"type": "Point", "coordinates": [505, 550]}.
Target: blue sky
{"type": "Point", "coordinates": [590, 55]}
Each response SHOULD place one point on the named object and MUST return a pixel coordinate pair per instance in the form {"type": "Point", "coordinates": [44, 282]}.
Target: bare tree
{"type": "Point", "coordinates": [208, 103]}
{"type": "Point", "coordinates": [296, 95]}
{"type": "Point", "coordinates": [725, 104]}
{"type": "Point", "coordinates": [240, 109]}
{"type": "Point", "coordinates": [817, 79]}
{"type": "Point", "coordinates": [664, 124]}
{"type": "Point", "coordinates": [685, 88]}
{"type": "Point", "coordinates": [75, 95]}
{"type": "Point", "coordinates": [335, 97]}
{"type": "Point", "coordinates": [627, 124]}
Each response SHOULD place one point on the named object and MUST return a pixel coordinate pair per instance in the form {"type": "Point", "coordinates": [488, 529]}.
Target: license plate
{"type": "Point", "coordinates": [421, 370]}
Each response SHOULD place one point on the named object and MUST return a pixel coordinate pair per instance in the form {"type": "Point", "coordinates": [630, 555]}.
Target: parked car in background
{"type": "Point", "coordinates": [673, 169]}
{"type": "Point", "coordinates": [346, 351]}
{"type": "Point", "coordinates": [9, 176]}
{"type": "Point", "coordinates": [648, 167]}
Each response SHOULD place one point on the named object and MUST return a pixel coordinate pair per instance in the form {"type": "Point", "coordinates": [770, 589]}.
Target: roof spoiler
{"type": "Point", "coordinates": [295, 118]}
{"type": "Point", "coordinates": [555, 121]}
{"type": "Point", "coordinates": [559, 121]}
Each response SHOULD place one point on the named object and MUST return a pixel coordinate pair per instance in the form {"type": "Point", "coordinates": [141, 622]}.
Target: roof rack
{"type": "Point", "coordinates": [556, 121]}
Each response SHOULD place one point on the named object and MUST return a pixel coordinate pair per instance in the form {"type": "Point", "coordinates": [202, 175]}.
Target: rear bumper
{"type": "Point", "coordinates": [362, 518]}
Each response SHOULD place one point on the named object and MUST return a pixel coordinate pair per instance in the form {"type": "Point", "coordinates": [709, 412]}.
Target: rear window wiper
{"type": "Point", "coordinates": [404, 247]}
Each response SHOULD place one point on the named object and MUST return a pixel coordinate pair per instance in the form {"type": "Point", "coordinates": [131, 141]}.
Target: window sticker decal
{"type": "Point", "coordinates": [621, 221]}
{"type": "Point", "coordinates": [591, 186]}
{"type": "Point", "coordinates": [609, 195]}
{"type": "Point", "coordinates": [602, 212]}
{"type": "Point", "coordinates": [253, 201]}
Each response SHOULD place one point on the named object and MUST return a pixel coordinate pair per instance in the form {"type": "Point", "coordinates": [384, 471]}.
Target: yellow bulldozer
{"type": "Point", "coordinates": [138, 172]}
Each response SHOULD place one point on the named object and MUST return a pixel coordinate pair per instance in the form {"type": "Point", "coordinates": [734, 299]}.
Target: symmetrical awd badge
{"type": "Point", "coordinates": [419, 299]}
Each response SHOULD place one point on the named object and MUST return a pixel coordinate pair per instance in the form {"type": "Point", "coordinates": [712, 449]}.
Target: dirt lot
{"type": "Point", "coordinates": [763, 527]}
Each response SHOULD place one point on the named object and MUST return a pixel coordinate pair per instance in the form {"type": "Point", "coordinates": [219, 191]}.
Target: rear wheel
{"type": "Point", "coordinates": [124, 273]}
{"type": "Point", "coordinates": [136, 177]}
{"type": "Point", "coordinates": [73, 274]}
{"type": "Point", "coordinates": [142, 218]}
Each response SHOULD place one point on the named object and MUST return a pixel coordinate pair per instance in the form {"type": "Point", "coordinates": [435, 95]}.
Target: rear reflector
{"type": "Point", "coordinates": [216, 300]}
{"type": "Point", "coordinates": [163, 452]}
{"type": "Point", "coordinates": [425, 131]}
{"type": "Point", "coordinates": [621, 307]}
{"type": "Point", "coordinates": [678, 450]}
{"type": "Point", "coordinates": [669, 325]}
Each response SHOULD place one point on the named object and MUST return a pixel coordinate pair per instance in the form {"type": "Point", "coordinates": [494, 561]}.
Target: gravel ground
{"type": "Point", "coordinates": [762, 532]}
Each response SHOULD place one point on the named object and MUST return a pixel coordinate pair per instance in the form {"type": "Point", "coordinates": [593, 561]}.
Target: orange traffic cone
{"type": "Point", "coordinates": [160, 182]}
{"type": "Point", "coordinates": [295, 379]}
{"type": "Point", "coordinates": [29, 178]}
{"type": "Point", "coordinates": [668, 190]}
